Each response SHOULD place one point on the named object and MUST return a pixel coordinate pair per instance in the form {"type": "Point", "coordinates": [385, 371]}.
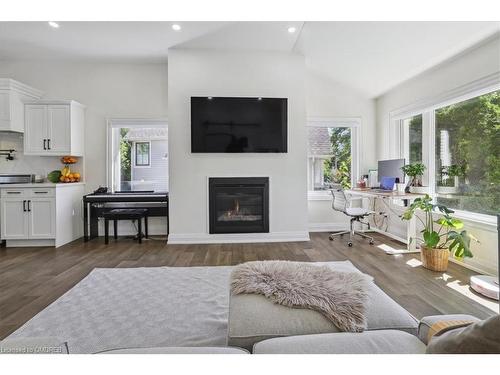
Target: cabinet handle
{"type": "Point", "coordinates": [24, 206]}
{"type": "Point", "coordinates": [48, 144]}
{"type": "Point", "coordinates": [29, 208]}
{"type": "Point", "coordinates": [41, 192]}
{"type": "Point", "coordinates": [44, 144]}
{"type": "Point", "coordinates": [13, 192]}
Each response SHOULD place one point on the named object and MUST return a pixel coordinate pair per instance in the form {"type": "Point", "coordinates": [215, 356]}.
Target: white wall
{"type": "Point", "coordinates": [326, 98]}
{"type": "Point", "coordinates": [108, 90]}
{"type": "Point", "coordinates": [224, 73]}
{"type": "Point", "coordinates": [469, 66]}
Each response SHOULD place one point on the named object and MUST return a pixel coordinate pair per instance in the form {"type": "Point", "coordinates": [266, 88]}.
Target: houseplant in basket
{"type": "Point", "coordinates": [439, 237]}
{"type": "Point", "coordinates": [415, 171]}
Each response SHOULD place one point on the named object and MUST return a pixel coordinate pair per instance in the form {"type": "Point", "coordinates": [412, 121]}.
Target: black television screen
{"type": "Point", "coordinates": [223, 124]}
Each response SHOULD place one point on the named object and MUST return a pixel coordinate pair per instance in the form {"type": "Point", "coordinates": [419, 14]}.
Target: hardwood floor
{"type": "Point", "coordinates": [32, 278]}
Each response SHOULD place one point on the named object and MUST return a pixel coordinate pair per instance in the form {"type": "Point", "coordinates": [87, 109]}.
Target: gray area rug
{"type": "Point", "coordinates": [141, 307]}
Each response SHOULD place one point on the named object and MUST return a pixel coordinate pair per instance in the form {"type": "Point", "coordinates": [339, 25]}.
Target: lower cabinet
{"type": "Point", "coordinates": [27, 216]}
{"type": "Point", "coordinates": [14, 219]}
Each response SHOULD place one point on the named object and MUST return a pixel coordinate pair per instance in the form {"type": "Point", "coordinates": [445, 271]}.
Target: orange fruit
{"type": "Point", "coordinates": [76, 175]}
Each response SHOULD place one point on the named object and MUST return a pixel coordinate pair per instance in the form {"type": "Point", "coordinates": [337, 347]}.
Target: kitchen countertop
{"type": "Point", "coordinates": [40, 185]}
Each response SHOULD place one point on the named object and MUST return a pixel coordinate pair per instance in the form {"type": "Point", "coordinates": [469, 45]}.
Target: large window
{"type": "Point", "coordinates": [330, 155]}
{"type": "Point", "coordinates": [137, 155]}
{"type": "Point", "coordinates": [467, 157]}
{"type": "Point", "coordinates": [459, 142]}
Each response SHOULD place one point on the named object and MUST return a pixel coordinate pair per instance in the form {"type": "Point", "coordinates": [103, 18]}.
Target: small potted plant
{"type": "Point", "coordinates": [415, 171]}
{"type": "Point", "coordinates": [439, 237]}
{"type": "Point", "coordinates": [450, 179]}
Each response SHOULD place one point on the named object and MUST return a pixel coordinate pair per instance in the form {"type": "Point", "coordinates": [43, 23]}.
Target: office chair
{"type": "Point", "coordinates": [340, 204]}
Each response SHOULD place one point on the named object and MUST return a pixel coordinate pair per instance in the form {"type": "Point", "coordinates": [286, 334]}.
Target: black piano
{"type": "Point", "coordinates": [95, 204]}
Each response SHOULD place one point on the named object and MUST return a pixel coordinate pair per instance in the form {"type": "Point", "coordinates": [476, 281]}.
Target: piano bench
{"type": "Point", "coordinates": [125, 214]}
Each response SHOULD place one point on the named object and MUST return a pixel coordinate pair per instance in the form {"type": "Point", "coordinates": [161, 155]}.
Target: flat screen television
{"type": "Point", "coordinates": [238, 125]}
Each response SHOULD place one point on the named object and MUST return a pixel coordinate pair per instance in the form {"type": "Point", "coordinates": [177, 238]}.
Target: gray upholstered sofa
{"type": "Point", "coordinates": [369, 342]}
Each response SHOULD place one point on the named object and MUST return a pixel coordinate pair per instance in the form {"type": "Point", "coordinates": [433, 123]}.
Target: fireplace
{"type": "Point", "coordinates": [239, 204]}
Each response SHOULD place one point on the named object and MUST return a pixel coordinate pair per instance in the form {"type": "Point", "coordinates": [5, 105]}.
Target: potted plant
{"type": "Point", "coordinates": [439, 237]}
{"type": "Point", "coordinates": [415, 171]}
{"type": "Point", "coordinates": [450, 179]}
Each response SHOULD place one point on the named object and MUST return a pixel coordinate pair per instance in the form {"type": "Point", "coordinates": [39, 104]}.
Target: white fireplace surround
{"type": "Point", "coordinates": [206, 237]}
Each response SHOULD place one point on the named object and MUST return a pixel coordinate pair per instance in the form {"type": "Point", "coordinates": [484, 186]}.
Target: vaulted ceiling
{"type": "Point", "coordinates": [370, 57]}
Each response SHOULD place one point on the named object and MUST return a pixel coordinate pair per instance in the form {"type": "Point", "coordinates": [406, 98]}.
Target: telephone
{"type": "Point", "coordinates": [101, 190]}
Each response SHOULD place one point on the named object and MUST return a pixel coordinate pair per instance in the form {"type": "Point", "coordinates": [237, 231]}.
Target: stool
{"type": "Point", "coordinates": [125, 214]}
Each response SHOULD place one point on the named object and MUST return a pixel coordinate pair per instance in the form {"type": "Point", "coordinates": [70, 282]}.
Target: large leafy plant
{"type": "Point", "coordinates": [415, 171]}
{"type": "Point", "coordinates": [442, 233]}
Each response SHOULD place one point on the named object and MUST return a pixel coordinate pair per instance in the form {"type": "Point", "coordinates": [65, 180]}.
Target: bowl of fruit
{"type": "Point", "coordinates": [65, 175]}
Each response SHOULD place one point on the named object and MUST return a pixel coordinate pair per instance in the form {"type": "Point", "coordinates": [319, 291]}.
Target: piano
{"type": "Point", "coordinates": [95, 204]}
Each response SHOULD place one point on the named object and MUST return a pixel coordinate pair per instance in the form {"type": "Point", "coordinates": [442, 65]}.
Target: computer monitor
{"type": "Point", "coordinates": [391, 168]}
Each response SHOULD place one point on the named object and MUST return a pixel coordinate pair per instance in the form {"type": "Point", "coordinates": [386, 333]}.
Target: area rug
{"type": "Point", "coordinates": [141, 307]}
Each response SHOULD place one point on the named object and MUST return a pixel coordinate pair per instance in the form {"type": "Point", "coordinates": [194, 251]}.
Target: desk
{"type": "Point", "coordinates": [411, 228]}
{"type": "Point", "coordinates": [95, 204]}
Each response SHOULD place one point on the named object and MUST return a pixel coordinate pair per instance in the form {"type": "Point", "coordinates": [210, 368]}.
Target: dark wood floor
{"type": "Point", "coordinates": [32, 278]}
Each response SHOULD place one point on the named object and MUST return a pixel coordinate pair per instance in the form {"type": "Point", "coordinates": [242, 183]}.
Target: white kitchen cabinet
{"type": "Point", "coordinates": [13, 95]}
{"type": "Point", "coordinates": [42, 217]}
{"type": "Point", "coordinates": [41, 214]}
{"type": "Point", "coordinates": [35, 125]}
{"type": "Point", "coordinates": [54, 128]}
{"type": "Point", "coordinates": [28, 214]}
{"type": "Point", "coordinates": [14, 219]}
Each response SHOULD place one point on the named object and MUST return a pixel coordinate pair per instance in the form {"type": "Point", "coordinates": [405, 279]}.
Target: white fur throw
{"type": "Point", "coordinates": [339, 296]}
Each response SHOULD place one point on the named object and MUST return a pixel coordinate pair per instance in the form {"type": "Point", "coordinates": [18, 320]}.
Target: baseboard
{"type": "Point", "coordinates": [327, 227]}
{"type": "Point", "coordinates": [205, 238]}
{"type": "Point", "coordinates": [30, 243]}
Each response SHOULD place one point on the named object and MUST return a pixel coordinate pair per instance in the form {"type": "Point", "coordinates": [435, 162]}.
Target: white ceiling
{"type": "Point", "coordinates": [113, 41]}
{"type": "Point", "coordinates": [371, 57]}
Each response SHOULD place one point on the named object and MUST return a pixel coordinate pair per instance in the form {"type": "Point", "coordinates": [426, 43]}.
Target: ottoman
{"type": "Point", "coordinates": [253, 318]}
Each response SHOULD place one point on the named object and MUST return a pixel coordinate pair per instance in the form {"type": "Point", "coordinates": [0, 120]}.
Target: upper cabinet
{"type": "Point", "coordinates": [13, 95]}
{"type": "Point", "coordinates": [54, 128]}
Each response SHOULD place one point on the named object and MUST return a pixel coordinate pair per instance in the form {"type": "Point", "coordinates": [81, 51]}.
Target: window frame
{"type": "Point", "coordinates": [354, 124]}
{"type": "Point", "coordinates": [428, 110]}
{"type": "Point", "coordinates": [135, 154]}
{"type": "Point", "coordinates": [117, 123]}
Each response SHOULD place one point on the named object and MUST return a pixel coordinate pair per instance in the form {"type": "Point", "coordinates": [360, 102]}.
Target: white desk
{"type": "Point", "coordinates": [411, 227]}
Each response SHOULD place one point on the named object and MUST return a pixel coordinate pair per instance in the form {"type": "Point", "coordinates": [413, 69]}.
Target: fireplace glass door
{"type": "Point", "coordinates": [239, 205]}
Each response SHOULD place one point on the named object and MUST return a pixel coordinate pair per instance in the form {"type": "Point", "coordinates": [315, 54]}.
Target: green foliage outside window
{"type": "Point", "coordinates": [125, 156]}
{"type": "Point", "coordinates": [473, 129]}
{"type": "Point", "coordinates": [339, 164]}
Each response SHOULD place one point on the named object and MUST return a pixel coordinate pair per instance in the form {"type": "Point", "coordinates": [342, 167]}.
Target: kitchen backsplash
{"type": "Point", "coordinates": [40, 165]}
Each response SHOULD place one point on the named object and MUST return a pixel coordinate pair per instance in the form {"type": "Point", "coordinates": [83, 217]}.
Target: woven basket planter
{"type": "Point", "coordinates": [435, 259]}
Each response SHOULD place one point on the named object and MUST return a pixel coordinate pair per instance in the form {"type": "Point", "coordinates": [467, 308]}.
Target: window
{"type": "Point", "coordinates": [459, 142]}
{"type": "Point", "coordinates": [413, 127]}
{"type": "Point", "coordinates": [142, 154]}
{"type": "Point", "coordinates": [467, 156]}
{"type": "Point", "coordinates": [137, 155]}
{"type": "Point", "coordinates": [330, 155]}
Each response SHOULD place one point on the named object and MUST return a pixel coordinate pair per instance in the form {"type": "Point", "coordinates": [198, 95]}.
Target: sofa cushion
{"type": "Point", "coordinates": [34, 345]}
{"type": "Point", "coordinates": [178, 350]}
{"type": "Point", "coordinates": [427, 322]}
{"type": "Point", "coordinates": [253, 318]}
{"type": "Point", "coordinates": [368, 342]}
{"type": "Point", "coordinates": [482, 337]}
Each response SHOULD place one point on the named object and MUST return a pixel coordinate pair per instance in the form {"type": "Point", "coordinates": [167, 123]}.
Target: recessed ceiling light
{"type": "Point", "coordinates": [292, 29]}
{"type": "Point", "coordinates": [176, 27]}
{"type": "Point", "coordinates": [53, 24]}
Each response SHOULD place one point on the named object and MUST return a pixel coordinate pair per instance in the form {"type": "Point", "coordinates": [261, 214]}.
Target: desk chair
{"type": "Point", "coordinates": [340, 203]}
